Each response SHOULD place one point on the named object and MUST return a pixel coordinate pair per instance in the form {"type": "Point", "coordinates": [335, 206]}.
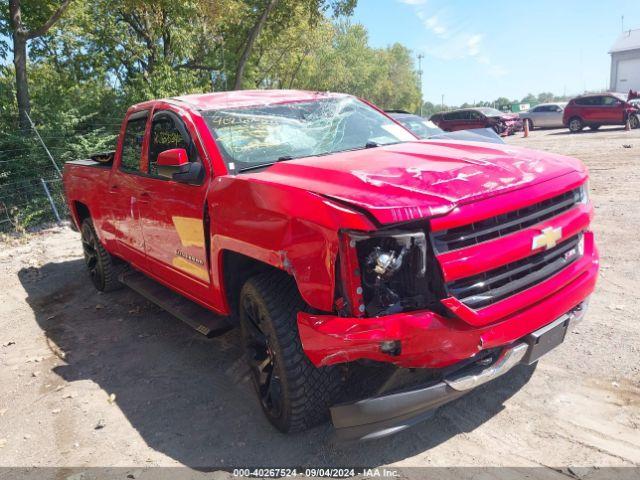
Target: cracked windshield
{"type": "Point", "coordinates": [254, 137]}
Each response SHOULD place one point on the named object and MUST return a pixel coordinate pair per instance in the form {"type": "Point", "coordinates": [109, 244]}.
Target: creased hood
{"type": "Point", "coordinates": [414, 180]}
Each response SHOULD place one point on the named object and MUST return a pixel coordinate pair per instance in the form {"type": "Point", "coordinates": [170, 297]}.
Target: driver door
{"type": "Point", "coordinates": [172, 213]}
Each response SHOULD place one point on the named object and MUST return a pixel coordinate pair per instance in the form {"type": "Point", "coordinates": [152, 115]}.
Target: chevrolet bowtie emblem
{"type": "Point", "coordinates": [548, 238]}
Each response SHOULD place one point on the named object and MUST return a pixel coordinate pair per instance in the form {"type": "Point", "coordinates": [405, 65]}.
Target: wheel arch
{"type": "Point", "coordinates": [237, 268]}
{"type": "Point", "coordinates": [80, 213]}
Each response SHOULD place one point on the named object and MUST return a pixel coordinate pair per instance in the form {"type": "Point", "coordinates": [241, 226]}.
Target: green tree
{"type": "Point", "coordinates": [545, 97]}
{"type": "Point", "coordinates": [27, 22]}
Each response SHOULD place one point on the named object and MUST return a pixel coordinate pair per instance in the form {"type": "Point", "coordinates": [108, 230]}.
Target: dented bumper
{"type": "Point", "coordinates": [425, 339]}
{"type": "Point", "coordinates": [385, 415]}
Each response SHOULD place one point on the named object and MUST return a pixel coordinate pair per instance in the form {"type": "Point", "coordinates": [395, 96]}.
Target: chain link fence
{"type": "Point", "coordinates": [31, 190]}
{"type": "Point", "coordinates": [30, 203]}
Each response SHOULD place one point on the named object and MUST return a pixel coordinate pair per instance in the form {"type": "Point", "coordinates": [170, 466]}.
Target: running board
{"type": "Point", "coordinates": [197, 317]}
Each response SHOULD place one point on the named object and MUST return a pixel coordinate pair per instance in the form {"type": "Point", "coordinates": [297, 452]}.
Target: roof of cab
{"type": "Point", "coordinates": [246, 98]}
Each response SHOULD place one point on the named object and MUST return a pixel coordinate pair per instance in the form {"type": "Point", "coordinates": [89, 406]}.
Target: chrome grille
{"type": "Point", "coordinates": [501, 225]}
{"type": "Point", "coordinates": [489, 287]}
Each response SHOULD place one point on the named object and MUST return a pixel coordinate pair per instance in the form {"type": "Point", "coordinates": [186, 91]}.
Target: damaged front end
{"type": "Point", "coordinates": [387, 272]}
{"type": "Point", "coordinates": [505, 126]}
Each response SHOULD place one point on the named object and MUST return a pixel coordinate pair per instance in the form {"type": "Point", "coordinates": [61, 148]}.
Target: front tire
{"type": "Point", "coordinates": [575, 125]}
{"type": "Point", "coordinates": [103, 268]}
{"type": "Point", "coordinates": [530, 123]}
{"type": "Point", "coordinates": [293, 393]}
{"type": "Point", "coordinates": [634, 121]}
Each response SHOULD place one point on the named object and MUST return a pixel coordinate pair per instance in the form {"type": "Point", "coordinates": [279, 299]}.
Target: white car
{"type": "Point", "coordinates": [544, 115]}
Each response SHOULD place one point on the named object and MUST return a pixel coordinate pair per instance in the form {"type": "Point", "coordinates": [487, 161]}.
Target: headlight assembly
{"type": "Point", "coordinates": [385, 272]}
{"type": "Point", "coordinates": [584, 193]}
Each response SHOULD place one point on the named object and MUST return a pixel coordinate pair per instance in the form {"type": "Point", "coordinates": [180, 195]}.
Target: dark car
{"type": "Point", "coordinates": [483, 117]}
{"type": "Point", "coordinates": [594, 111]}
{"type": "Point", "coordinates": [424, 129]}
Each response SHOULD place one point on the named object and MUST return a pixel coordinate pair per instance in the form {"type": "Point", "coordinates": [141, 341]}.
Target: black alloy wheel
{"type": "Point", "coordinates": [262, 361]}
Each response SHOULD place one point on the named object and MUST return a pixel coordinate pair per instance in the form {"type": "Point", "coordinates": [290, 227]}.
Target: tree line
{"type": "Point", "coordinates": [74, 67]}
{"type": "Point", "coordinates": [98, 56]}
{"type": "Point", "coordinates": [500, 103]}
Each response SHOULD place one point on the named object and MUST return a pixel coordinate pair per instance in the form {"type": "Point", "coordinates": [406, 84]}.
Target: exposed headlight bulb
{"type": "Point", "coordinates": [385, 263]}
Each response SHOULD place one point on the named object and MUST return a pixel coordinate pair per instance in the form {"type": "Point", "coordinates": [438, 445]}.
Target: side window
{"type": "Point", "coordinates": [610, 101]}
{"type": "Point", "coordinates": [537, 110]}
{"type": "Point", "coordinates": [588, 101]}
{"type": "Point", "coordinates": [168, 132]}
{"type": "Point", "coordinates": [132, 144]}
{"type": "Point", "coordinates": [475, 115]}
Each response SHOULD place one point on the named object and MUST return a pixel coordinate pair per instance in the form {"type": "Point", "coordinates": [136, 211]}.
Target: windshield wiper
{"type": "Point", "coordinates": [284, 158]}
{"type": "Point", "coordinates": [255, 167]}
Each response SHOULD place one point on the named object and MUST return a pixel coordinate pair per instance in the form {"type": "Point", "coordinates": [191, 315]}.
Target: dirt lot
{"type": "Point", "coordinates": [108, 380]}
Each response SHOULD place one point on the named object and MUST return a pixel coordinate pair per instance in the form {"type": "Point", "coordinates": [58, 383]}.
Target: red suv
{"type": "Point", "coordinates": [595, 110]}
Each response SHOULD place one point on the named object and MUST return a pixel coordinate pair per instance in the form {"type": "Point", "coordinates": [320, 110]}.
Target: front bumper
{"type": "Point", "coordinates": [388, 414]}
{"type": "Point", "coordinates": [429, 340]}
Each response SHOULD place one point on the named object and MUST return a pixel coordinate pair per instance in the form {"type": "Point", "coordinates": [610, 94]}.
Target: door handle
{"type": "Point", "coordinates": [114, 186]}
{"type": "Point", "coordinates": [145, 197]}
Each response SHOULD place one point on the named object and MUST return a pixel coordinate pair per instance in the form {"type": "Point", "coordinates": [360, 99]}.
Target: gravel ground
{"type": "Point", "coordinates": [109, 380]}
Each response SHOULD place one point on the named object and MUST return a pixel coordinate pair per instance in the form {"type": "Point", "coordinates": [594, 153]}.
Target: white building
{"type": "Point", "coordinates": [625, 62]}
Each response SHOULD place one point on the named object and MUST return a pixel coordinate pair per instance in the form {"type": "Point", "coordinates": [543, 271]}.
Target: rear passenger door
{"type": "Point", "coordinates": [449, 121]}
{"type": "Point", "coordinates": [124, 190]}
{"type": "Point", "coordinates": [598, 110]}
{"type": "Point", "coordinates": [173, 213]}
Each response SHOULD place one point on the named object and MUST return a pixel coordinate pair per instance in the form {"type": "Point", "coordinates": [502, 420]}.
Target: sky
{"type": "Point", "coordinates": [482, 50]}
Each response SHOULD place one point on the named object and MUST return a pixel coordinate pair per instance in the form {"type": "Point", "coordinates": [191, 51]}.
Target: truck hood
{"type": "Point", "coordinates": [414, 180]}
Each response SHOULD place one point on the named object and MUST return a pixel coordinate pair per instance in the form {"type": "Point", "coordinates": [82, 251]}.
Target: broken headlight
{"type": "Point", "coordinates": [386, 271]}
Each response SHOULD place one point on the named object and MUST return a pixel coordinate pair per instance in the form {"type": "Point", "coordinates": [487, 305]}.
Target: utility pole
{"type": "Point", "coordinates": [420, 57]}
{"type": "Point", "coordinates": [622, 23]}
{"type": "Point", "coordinates": [442, 103]}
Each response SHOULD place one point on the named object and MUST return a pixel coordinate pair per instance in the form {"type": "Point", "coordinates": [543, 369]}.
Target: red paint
{"type": "Point", "coordinates": [172, 158]}
{"type": "Point", "coordinates": [292, 215]}
{"type": "Point", "coordinates": [599, 109]}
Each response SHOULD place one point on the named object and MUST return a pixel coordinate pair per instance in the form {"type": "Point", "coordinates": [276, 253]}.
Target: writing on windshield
{"type": "Point", "coordinates": [252, 136]}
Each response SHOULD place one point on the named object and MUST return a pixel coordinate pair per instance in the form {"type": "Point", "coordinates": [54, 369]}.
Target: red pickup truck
{"type": "Point", "coordinates": [373, 276]}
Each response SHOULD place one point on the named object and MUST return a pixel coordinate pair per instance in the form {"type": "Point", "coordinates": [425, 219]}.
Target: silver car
{"type": "Point", "coordinates": [545, 115]}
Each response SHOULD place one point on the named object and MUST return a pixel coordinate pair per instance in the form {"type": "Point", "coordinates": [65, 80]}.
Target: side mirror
{"type": "Point", "coordinates": [170, 161]}
{"type": "Point", "coordinates": [174, 164]}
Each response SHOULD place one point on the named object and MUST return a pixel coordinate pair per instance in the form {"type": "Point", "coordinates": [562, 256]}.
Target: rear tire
{"type": "Point", "coordinates": [575, 125]}
{"type": "Point", "coordinates": [103, 268]}
{"type": "Point", "coordinates": [293, 393]}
